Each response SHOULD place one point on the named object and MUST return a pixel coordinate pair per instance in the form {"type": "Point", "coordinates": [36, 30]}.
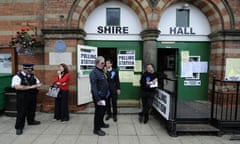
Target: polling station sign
{"type": "Point", "coordinates": [87, 56]}
{"type": "Point", "coordinates": [126, 60]}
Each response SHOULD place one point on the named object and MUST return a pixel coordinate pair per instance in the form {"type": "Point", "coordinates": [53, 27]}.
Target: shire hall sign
{"type": "Point", "coordinates": [112, 30]}
{"type": "Point", "coordinates": [181, 31]}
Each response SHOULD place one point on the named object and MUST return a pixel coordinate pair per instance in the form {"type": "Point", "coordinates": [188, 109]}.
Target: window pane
{"type": "Point", "coordinates": [182, 18]}
{"type": "Point", "coordinates": [113, 16]}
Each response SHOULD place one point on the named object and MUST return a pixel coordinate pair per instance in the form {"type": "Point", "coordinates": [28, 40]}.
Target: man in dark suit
{"type": "Point", "coordinates": [114, 87]}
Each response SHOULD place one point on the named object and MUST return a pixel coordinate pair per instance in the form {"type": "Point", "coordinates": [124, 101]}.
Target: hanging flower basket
{"type": "Point", "coordinates": [24, 42]}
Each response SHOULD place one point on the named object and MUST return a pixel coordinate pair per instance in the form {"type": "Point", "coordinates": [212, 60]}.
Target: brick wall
{"type": "Point", "coordinates": [69, 14]}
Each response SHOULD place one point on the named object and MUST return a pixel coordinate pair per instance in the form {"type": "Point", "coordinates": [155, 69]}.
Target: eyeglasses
{"type": "Point", "coordinates": [102, 63]}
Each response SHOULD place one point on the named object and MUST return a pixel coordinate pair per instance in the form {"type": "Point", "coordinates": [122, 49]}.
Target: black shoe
{"type": "Point", "coordinates": [108, 117]}
{"type": "Point", "coordinates": [19, 131]}
{"type": "Point", "coordinates": [34, 123]}
{"type": "Point", "coordinates": [105, 126]}
{"type": "Point", "coordinates": [145, 120]}
{"type": "Point", "coordinates": [115, 118]}
{"type": "Point", "coordinates": [99, 132]}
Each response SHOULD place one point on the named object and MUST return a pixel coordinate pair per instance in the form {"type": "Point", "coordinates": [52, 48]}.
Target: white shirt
{"type": "Point", "coordinates": [16, 80]}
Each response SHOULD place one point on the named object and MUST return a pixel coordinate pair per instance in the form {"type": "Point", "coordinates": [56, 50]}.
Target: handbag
{"type": "Point", "coordinates": [53, 91]}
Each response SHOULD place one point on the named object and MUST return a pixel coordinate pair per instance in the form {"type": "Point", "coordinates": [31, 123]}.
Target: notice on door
{"type": "Point", "coordinates": [87, 56]}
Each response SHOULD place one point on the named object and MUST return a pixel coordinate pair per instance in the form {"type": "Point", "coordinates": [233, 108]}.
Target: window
{"type": "Point", "coordinates": [113, 16]}
{"type": "Point", "coordinates": [182, 18]}
{"type": "Point", "coordinates": [8, 60]}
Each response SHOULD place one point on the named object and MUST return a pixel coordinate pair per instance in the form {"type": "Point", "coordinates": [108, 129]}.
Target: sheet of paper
{"type": "Point", "coordinates": [138, 66]}
{"type": "Point", "coordinates": [186, 69]}
{"type": "Point", "coordinates": [200, 67]}
{"type": "Point", "coordinates": [184, 56]}
{"type": "Point", "coordinates": [232, 69]}
{"type": "Point", "coordinates": [136, 80]}
{"type": "Point", "coordinates": [126, 76]}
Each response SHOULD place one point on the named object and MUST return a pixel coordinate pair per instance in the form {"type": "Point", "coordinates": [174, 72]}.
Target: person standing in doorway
{"type": "Point", "coordinates": [26, 84]}
{"type": "Point", "coordinates": [61, 102]}
{"type": "Point", "coordinates": [114, 87]}
{"type": "Point", "coordinates": [100, 92]}
{"type": "Point", "coordinates": [148, 84]}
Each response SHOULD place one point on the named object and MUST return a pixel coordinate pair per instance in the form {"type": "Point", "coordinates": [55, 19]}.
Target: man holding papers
{"type": "Point", "coordinates": [149, 83]}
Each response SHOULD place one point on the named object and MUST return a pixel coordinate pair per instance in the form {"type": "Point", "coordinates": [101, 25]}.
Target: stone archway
{"type": "Point", "coordinates": [82, 9]}
{"type": "Point", "coordinates": [218, 13]}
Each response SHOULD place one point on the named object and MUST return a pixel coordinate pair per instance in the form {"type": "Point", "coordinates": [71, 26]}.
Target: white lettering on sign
{"type": "Point", "coordinates": [181, 31]}
{"type": "Point", "coordinates": [112, 30]}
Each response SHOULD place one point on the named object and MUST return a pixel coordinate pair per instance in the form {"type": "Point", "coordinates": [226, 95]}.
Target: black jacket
{"type": "Point", "coordinates": [113, 80]}
{"type": "Point", "coordinates": [99, 84]}
{"type": "Point", "coordinates": [146, 77]}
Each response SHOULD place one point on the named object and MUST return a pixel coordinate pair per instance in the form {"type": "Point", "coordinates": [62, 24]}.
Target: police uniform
{"type": "Point", "coordinates": [26, 99]}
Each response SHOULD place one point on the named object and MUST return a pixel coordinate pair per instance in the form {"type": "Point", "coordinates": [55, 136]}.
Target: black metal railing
{"type": "Point", "coordinates": [225, 107]}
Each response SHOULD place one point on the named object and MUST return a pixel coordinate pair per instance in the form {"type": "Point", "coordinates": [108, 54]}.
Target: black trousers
{"type": "Point", "coordinates": [98, 116]}
{"type": "Point", "coordinates": [112, 103]}
{"type": "Point", "coordinates": [26, 107]}
{"type": "Point", "coordinates": [147, 101]}
{"type": "Point", "coordinates": [61, 106]}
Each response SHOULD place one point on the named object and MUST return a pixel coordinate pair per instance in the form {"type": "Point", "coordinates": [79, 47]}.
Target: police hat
{"type": "Point", "coordinates": [27, 66]}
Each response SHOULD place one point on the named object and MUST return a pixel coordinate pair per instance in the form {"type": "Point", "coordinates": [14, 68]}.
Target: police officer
{"type": "Point", "coordinates": [26, 84]}
{"type": "Point", "coordinates": [148, 84]}
{"type": "Point", "coordinates": [114, 87]}
{"type": "Point", "coordinates": [100, 92]}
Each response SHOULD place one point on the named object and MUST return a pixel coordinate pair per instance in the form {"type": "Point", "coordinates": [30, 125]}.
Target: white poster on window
{"type": "Point", "coordinates": [5, 63]}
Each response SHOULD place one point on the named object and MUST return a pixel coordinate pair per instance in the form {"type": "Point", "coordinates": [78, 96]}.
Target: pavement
{"type": "Point", "coordinates": [79, 130]}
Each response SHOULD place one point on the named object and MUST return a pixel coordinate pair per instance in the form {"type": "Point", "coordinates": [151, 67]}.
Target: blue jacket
{"type": "Point", "coordinates": [99, 84]}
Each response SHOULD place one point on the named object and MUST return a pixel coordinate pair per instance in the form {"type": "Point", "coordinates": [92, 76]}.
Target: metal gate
{"type": "Point", "coordinates": [225, 107]}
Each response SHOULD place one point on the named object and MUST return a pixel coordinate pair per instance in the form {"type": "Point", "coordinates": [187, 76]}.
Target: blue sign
{"type": "Point", "coordinates": [60, 46]}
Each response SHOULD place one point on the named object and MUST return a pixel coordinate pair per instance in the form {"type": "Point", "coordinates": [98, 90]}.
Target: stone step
{"type": "Point", "coordinates": [196, 128]}
{"type": "Point", "coordinates": [124, 103]}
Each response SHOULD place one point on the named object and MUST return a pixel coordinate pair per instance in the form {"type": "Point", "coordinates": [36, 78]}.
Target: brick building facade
{"type": "Point", "coordinates": [65, 20]}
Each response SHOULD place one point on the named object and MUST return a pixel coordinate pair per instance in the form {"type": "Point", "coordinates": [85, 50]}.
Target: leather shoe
{"type": "Point", "coordinates": [105, 126]}
{"type": "Point", "coordinates": [108, 117]}
{"type": "Point", "coordinates": [145, 120]}
{"type": "Point", "coordinates": [99, 132]}
{"type": "Point", "coordinates": [19, 131]}
{"type": "Point", "coordinates": [115, 118]}
{"type": "Point", "coordinates": [34, 123]}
